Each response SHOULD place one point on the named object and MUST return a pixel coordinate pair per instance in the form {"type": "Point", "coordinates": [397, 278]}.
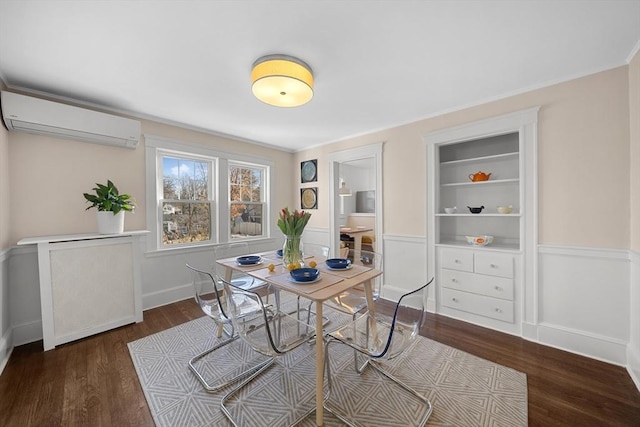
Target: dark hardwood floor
{"type": "Point", "coordinates": [92, 382]}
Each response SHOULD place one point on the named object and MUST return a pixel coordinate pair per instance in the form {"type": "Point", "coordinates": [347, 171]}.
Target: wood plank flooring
{"type": "Point", "coordinates": [92, 382]}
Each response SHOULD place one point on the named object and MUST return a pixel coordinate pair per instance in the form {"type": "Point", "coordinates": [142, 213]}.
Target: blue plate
{"type": "Point", "coordinates": [338, 263]}
{"type": "Point", "coordinates": [249, 260]}
{"type": "Point", "coordinates": [304, 274]}
{"type": "Point", "coordinates": [279, 253]}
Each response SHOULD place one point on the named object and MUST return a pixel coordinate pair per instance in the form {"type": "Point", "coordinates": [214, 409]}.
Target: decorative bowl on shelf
{"type": "Point", "coordinates": [450, 210]}
{"type": "Point", "coordinates": [504, 209]}
{"type": "Point", "coordinates": [479, 240]}
{"type": "Point", "coordinates": [475, 210]}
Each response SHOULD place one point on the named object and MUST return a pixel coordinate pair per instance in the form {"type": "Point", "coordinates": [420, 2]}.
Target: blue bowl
{"type": "Point", "coordinates": [279, 253]}
{"type": "Point", "coordinates": [249, 259]}
{"type": "Point", "coordinates": [338, 263]}
{"type": "Point", "coordinates": [304, 274]}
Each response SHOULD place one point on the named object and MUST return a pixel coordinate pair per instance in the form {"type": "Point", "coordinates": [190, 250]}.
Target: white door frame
{"type": "Point", "coordinates": [368, 151]}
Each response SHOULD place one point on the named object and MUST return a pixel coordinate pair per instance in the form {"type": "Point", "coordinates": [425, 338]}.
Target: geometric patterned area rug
{"type": "Point", "coordinates": [464, 390]}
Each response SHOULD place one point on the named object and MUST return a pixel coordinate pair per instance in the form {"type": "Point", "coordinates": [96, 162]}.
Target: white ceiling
{"type": "Point", "coordinates": [377, 64]}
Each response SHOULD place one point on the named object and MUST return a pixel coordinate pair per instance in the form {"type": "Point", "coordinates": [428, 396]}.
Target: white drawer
{"type": "Point", "coordinates": [457, 260]}
{"type": "Point", "coordinates": [494, 264]}
{"type": "Point", "coordinates": [497, 287]}
{"type": "Point", "coordinates": [478, 304]}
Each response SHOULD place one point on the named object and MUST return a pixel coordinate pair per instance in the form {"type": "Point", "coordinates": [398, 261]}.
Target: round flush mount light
{"type": "Point", "coordinates": [282, 81]}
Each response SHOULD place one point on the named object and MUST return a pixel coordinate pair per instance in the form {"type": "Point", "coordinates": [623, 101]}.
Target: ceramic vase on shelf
{"type": "Point", "coordinates": [292, 250]}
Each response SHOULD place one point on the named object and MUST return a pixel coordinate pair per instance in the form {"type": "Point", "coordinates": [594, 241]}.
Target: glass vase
{"type": "Point", "coordinates": [292, 250]}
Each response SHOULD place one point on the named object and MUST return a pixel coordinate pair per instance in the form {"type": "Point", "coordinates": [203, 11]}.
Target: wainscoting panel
{"type": "Point", "coordinates": [633, 349]}
{"type": "Point", "coordinates": [405, 266]}
{"type": "Point", "coordinates": [24, 296]}
{"type": "Point", "coordinates": [583, 299]}
{"type": "Point", "coordinates": [6, 339]}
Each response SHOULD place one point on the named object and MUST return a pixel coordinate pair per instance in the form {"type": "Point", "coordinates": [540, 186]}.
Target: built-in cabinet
{"type": "Point", "coordinates": [483, 284]}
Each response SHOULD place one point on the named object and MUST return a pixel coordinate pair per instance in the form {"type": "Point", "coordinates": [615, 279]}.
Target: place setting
{"type": "Point", "coordinates": [342, 267]}
{"type": "Point", "coordinates": [306, 279]}
{"type": "Point", "coordinates": [245, 262]}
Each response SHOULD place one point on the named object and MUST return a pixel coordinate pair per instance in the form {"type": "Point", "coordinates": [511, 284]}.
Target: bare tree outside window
{"type": "Point", "coordinates": [246, 200]}
{"type": "Point", "coordinates": [186, 206]}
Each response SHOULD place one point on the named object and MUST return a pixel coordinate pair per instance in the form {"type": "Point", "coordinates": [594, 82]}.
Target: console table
{"type": "Point", "coordinates": [89, 283]}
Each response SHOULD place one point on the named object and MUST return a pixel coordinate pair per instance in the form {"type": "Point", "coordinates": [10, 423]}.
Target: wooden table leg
{"type": "Point", "coordinates": [319, 366]}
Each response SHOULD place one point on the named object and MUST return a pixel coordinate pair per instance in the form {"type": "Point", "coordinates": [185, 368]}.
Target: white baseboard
{"type": "Point", "coordinates": [602, 348]}
{"type": "Point", "coordinates": [167, 296]}
{"type": "Point", "coordinates": [633, 360]}
{"type": "Point", "coordinates": [27, 332]}
{"type": "Point", "coordinates": [5, 348]}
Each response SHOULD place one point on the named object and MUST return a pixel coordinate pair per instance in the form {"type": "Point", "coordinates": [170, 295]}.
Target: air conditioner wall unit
{"type": "Point", "coordinates": [39, 116]}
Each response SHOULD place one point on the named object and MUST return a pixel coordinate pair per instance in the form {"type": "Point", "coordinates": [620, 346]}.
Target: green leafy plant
{"type": "Point", "coordinates": [109, 199]}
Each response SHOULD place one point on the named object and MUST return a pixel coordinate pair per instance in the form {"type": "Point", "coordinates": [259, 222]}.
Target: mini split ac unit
{"type": "Point", "coordinates": [34, 115]}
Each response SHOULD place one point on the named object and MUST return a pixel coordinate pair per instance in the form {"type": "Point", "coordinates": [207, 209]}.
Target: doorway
{"type": "Point", "coordinates": [360, 171]}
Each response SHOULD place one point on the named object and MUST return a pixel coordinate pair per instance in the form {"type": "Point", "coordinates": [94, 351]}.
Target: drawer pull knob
{"type": "Point", "coordinates": [457, 261]}
{"type": "Point", "coordinates": [493, 265]}
{"type": "Point", "coordinates": [454, 280]}
{"type": "Point", "coordinates": [454, 299]}
{"type": "Point", "coordinates": [498, 310]}
{"type": "Point", "coordinates": [498, 288]}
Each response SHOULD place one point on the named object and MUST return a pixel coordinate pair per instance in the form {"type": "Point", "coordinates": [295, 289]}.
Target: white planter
{"type": "Point", "coordinates": [108, 223]}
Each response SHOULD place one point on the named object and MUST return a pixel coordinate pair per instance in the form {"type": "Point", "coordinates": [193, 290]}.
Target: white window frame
{"type": "Point", "coordinates": [263, 195]}
{"type": "Point", "coordinates": [155, 146]}
{"type": "Point", "coordinates": [211, 186]}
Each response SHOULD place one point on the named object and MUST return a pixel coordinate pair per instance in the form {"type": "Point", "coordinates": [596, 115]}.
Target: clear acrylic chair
{"type": "Point", "coordinates": [353, 301]}
{"type": "Point", "coordinates": [234, 249]}
{"type": "Point", "coordinates": [380, 336]}
{"type": "Point", "coordinates": [269, 331]}
{"type": "Point", "coordinates": [213, 304]}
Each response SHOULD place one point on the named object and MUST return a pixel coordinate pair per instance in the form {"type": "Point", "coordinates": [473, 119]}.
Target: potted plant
{"type": "Point", "coordinates": [111, 207]}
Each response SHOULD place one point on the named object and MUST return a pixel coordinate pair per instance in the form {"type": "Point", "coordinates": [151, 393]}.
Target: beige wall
{"type": "Point", "coordinates": [634, 126]}
{"type": "Point", "coordinates": [5, 240]}
{"type": "Point", "coordinates": [583, 156]}
{"type": "Point", "coordinates": [49, 175]}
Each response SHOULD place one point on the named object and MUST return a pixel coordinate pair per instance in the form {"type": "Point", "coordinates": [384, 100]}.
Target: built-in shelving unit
{"type": "Point", "coordinates": [482, 284]}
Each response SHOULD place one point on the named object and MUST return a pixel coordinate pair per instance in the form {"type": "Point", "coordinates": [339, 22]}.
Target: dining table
{"type": "Point", "coordinates": [356, 233]}
{"type": "Point", "coordinates": [331, 283]}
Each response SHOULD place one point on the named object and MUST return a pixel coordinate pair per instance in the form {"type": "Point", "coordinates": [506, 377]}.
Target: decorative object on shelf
{"type": "Point", "coordinates": [344, 190]}
{"type": "Point", "coordinates": [451, 210]}
{"type": "Point", "coordinates": [292, 226]}
{"type": "Point", "coordinates": [111, 207]}
{"type": "Point", "coordinates": [282, 81]}
{"type": "Point", "coordinates": [309, 171]}
{"type": "Point", "coordinates": [479, 240]}
{"type": "Point", "coordinates": [309, 198]}
{"type": "Point", "coordinates": [475, 210]}
{"type": "Point", "coordinates": [504, 209]}
{"type": "Point", "coordinates": [479, 176]}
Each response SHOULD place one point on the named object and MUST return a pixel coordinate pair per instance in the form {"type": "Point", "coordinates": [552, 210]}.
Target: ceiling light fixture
{"type": "Point", "coordinates": [282, 81]}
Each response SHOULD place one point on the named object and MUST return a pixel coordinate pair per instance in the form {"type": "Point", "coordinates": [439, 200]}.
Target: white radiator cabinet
{"type": "Point", "coordinates": [89, 283]}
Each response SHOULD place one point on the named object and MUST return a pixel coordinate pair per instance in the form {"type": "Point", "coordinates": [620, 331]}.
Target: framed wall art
{"type": "Point", "coordinates": [309, 198]}
{"type": "Point", "coordinates": [309, 171]}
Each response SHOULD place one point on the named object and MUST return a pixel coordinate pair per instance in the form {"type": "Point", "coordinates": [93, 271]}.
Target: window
{"type": "Point", "coordinates": [246, 199]}
{"type": "Point", "coordinates": [198, 196]}
{"type": "Point", "coordinates": [186, 202]}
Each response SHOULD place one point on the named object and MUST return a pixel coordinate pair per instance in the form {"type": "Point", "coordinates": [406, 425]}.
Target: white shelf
{"type": "Point", "coordinates": [490, 214]}
{"type": "Point", "coordinates": [489, 182]}
{"type": "Point", "coordinates": [479, 159]}
{"type": "Point", "coordinates": [493, 247]}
